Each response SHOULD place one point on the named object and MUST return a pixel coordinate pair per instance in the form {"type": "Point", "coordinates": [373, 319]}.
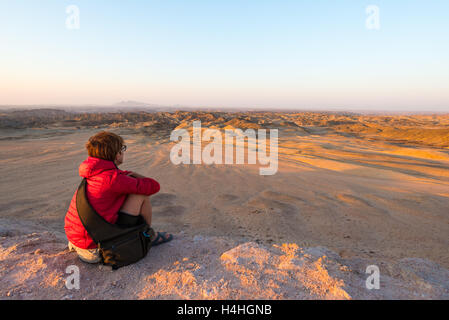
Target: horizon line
{"type": "Point", "coordinates": [179, 107]}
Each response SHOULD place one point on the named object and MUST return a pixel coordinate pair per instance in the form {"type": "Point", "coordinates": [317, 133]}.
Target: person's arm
{"type": "Point", "coordinates": [134, 174]}
{"type": "Point", "coordinates": [131, 174]}
{"type": "Point", "coordinates": [122, 183]}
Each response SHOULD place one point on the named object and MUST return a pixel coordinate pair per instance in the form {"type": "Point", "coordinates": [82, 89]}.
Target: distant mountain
{"type": "Point", "coordinates": [135, 104]}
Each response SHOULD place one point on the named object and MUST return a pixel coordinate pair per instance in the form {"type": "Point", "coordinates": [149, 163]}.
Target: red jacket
{"type": "Point", "coordinates": [107, 188]}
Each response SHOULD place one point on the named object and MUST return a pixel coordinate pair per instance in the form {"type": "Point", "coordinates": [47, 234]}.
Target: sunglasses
{"type": "Point", "coordinates": [123, 149]}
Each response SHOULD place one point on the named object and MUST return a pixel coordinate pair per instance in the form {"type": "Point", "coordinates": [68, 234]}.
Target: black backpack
{"type": "Point", "coordinates": [119, 246]}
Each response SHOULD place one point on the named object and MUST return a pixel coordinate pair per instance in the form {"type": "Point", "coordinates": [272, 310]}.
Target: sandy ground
{"type": "Point", "coordinates": [355, 201]}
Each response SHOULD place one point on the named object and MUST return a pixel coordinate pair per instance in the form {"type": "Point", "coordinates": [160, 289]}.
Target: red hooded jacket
{"type": "Point", "coordinates": [107, 188]}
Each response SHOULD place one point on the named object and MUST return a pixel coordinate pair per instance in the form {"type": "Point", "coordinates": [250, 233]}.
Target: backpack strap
{"type": "Point", "coordinates": [96, 226]}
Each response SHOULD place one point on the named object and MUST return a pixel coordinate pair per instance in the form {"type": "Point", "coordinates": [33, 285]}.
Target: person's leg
{"type": "Point", "coordinates": [146, 211]}
{"type": "Point", "coordinates": [135, 205]}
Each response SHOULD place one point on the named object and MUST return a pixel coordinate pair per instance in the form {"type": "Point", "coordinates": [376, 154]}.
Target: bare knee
{"type": "Point", "coordinates": [136, 197]}
{"type": "Point", "coordinates": [133, 203]}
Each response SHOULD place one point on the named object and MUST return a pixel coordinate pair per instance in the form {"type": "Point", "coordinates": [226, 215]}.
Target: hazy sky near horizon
{"type": "Point", "coordinates": [248, 53]}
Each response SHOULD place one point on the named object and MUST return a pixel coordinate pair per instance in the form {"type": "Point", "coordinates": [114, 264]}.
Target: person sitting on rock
{"type": "Point", "coordinates": [119, 196]}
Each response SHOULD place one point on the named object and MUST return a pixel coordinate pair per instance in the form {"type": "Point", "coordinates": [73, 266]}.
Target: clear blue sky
{"type": "Point", "coordinates": [289, 54]}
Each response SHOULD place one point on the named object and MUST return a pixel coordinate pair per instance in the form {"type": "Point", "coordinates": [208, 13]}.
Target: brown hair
{"type": "Point", "coordinates": [104, 145]}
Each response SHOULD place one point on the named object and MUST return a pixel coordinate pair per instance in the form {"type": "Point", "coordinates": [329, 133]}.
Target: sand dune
{"type": "Point", "coordinates": [364, 189]}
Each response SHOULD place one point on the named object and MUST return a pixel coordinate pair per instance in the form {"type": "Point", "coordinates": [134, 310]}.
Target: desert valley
{"type": "Point", "coordinates": [351, 190]}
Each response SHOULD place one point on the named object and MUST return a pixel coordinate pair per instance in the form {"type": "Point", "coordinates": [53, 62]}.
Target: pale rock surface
{"type": "Point", "coordinates": [33, 266]}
